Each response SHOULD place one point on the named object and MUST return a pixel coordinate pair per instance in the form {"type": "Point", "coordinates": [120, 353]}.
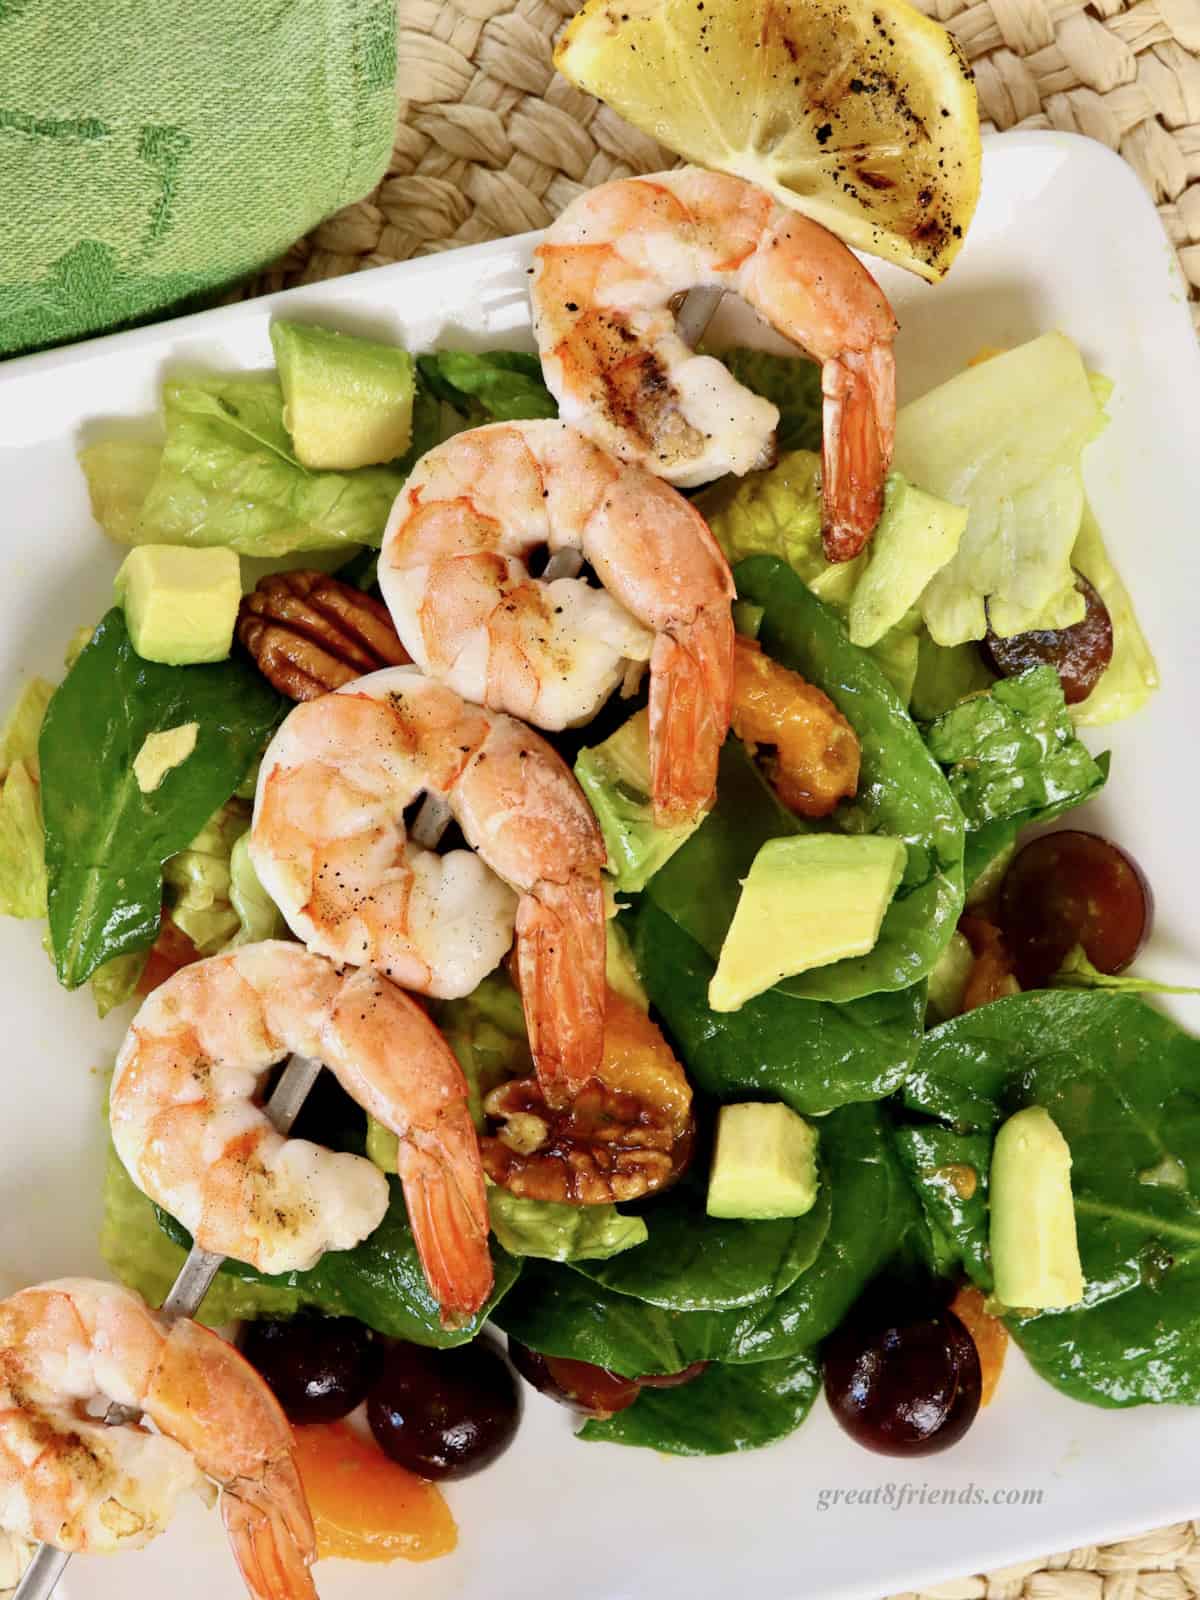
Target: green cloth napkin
{"type": "Point", "coordinates": [153, 151]}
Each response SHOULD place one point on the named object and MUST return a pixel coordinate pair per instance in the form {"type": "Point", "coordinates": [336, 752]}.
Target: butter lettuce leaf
{"type": "Point", "coordinates": [1013, 750]}
{"type": "Point", "coordinates": [1005, 439]}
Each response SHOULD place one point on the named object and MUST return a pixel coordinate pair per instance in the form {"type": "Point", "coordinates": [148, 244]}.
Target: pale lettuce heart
{"type": "Point", "coordinates": [1004, 439]}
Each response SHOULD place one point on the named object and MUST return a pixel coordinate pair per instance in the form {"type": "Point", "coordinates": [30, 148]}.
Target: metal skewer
{"type": "Point", "coordinates": [41, 1576]}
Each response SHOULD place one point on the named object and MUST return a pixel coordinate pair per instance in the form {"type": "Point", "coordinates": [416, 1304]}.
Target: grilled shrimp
{"type": "Point", "coordinates": [186, 1124]}
{"type": "Point", "coordinates": [330, 845]}
{"type": "Point", "coordinates": [455, 573]}
{"type": "Point", "coordinates": [604, 278]}
{"type": "Point", "coordinates": [69, 1479]}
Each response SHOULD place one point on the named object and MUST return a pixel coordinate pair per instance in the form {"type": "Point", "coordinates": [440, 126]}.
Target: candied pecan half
{"type": "Point", "coordinates": [308, 633]}
{"type": "Point", "coordinates": [625, 1134]}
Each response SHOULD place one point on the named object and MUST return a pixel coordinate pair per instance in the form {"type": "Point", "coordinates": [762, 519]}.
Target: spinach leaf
{"type": "Point", "coordinates": [106, 841]}
{"type": "Point", "coordinates": [724, 1409]}
{"type": "Point", "coordinates": [811, 1054]}
{"type": "Point", "coordinates": [1013, 750]}
{"type": "Point", "coordinates": [499, 386]}
{"type": "Point", "coordinates": [380, 1281]}
{"type": "Point", "coordinates": [984, 845]}
{"type": "Point", "coordinates": [1122, 1083]}
{"type": "Point", "coordinates": [560, 1312]}
{"type": "Point", "coordinates": [694, 1262]}
{"type": "Point", "coordinates": [949, 1173]}
{"type": "Point", "coordinates": [792, 383]}
{"type": "Point", "coordinates": [902, 793]}
{"type": "Point", "coordinates": [873, 1211]}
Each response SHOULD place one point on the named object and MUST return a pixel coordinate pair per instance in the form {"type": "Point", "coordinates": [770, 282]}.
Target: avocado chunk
{"type": "Point", "coordinates": [765, 1163]}
{"type": "Point", "coordinates": [808, 900]}
{"type": "Point", "coordinates": [948, 980]}
{"type": "Point", "coordinates": [347, 402]}
{"type": "Point", "coordinates": [917, 535]}
{"type": "Point", "coordinates": [180, 602]}
{"type": "Point", "coordinates": [162, 753]}
{"type": "Point", "coordinates": [1035, 1248]}
{"type": "Point", "coordinates": [615, 776]}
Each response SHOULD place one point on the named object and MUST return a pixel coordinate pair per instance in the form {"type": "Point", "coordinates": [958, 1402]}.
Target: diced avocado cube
{"type": "Point", "coordinates": [347, 402]}
{"type": "Point", "coordinates": [765, 1163]}
{"type": "Point", "coordinates": [917, 535]}
{"type": "Point", "coordinates": [1034, 1244]}
{"type": "Point", "coordinates": [162, 752]}
{"type": "Point", "coordinates": [615, 776]}
{"type": "Point", "coordinates": [180, 603]}
{"type": "Point", "coordinates": [808, 900]}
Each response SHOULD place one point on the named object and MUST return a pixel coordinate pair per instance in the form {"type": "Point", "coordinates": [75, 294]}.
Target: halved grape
{"type": "Point", "coordinates": [319, 1368]}
{"type": "Point", "coordinates": [1079, 654]}
{"type": "Point", "coordinates": [594, 1391]}
{"type": "Point", "coordinates": [1067, 889]}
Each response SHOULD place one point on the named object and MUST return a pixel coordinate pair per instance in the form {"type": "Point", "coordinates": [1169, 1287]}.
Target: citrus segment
{"type": "Point", "coordinates": [364, 1506]}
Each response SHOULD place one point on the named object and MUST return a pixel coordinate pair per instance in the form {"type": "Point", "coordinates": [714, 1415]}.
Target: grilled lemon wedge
{"type": "Point", "coordinates": [860, 113]}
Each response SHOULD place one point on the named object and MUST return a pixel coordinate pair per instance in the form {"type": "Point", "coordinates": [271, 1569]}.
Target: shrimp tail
{"type": "Point", "coordinates": [271, 1533]}
{"type": "Point", "coordinates": [561, 975]}
{"type": "Point", "coordinates": [859, 389]}
{"type": "Point", "coordinates": [691, 696]}
{"type": "Point", "coordinates": [447, 1209]}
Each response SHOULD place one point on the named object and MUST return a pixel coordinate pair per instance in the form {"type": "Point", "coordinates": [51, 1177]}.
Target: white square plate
{"type": "Point", "coordinates": [1065, 238]}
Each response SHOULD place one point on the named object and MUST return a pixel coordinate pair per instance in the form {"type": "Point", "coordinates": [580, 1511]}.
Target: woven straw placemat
{"type": "Point", "coordinates": [490, 141]}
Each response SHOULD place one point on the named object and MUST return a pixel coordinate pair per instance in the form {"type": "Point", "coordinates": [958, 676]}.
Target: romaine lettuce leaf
{"type": "Point", "coordinates": [946, 674]}
{"type": "Point", "coordinates": [119, 475]}
{"type": "Point", "coordinates": [116, 982]}
{"type": "Point", "coordinates": [1013, 750]}
{"type": "Point", "coordinates": [1132, 676]}
{"type": "Point", "coordinates": [22, 846]}
{"type": "Point", "coordinates": [778, 513]}
{"type": "Point", "coordinates": [213, 892]}
{"type": "Point", "coordinates": [227, 475]}
{"type": "Point", "coordinates": [19, 736]}
{"type": "Point", "coordinates": [1005, 438]}
{"type": "Point", "coordinates": [486, 1031]}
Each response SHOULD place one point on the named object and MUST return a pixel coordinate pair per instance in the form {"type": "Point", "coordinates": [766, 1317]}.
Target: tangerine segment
{"type": "Point", "coordinates": [990, 1336]}
{"type": "Point", "coordinates": [364, 1506]}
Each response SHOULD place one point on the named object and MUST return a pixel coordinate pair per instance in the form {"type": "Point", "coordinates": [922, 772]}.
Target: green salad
{"type": "Point", "coordinates": [917, 1060]}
